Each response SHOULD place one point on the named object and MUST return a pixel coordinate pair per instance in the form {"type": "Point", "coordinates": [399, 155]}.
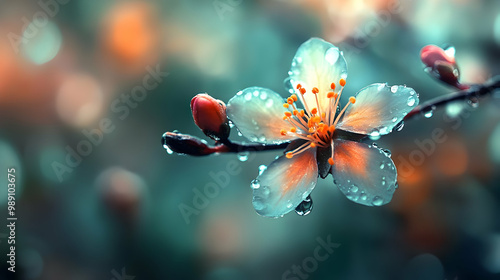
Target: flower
{"type": "Point", "coordinates": [209, 115]}
{"type": "Point", "coordinates": [324, 138]}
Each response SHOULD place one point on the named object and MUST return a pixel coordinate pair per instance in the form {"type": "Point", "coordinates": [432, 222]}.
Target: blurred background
{"type": "Point", "coordinates": [88, 87]}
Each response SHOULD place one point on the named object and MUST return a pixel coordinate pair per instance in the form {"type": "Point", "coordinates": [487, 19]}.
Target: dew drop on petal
{"type": "Point", "coordinates": [269, 103]}
{"type": "Point", "coordinates": [411, 100]}
{"type": "Point", "coordinates": [255, 184]}
{"type": "Point", "coordinates": [248, 96]}
{"type": "Point", "coordinates": [332, 55]}
{"type": "Point", "coordinates": [262, 168]}
{"type": "Point", "coordinates": [399, 126]}
{"type": "Point", "coordinates": [394, 89]}
{"type": "Point", "coordinates": [289, 205]}
{"type": "Point", "coordinates": [395, 119]}
{"type": "Point", "coordinates": [382, 166]}
{"type": "Point", "coordinates": [354, 189]}
{"type": "Point", "coordinates": [377, 201]}
{"type": "Point", "coordinates": [387, 152]}
{"type": "Point", "coordinates": [243, 156]}
{"type": "Point", "coordinates": [231, 124]}
{"type": "Point", "coordinates": [364, 196]}
{"type": "Point", "coordinates": [374, 135]}
{"type": "Point", "coordinates": [305, 207]}
{"type": "Point", "coordinates": [257, 203]}
{"type": "Point", "coordinates": [265, 191]}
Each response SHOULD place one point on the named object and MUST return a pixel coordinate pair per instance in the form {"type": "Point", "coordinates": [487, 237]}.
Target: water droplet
{"type": "Point", "coordinates": [394, 89]}
{"type": "Point", "coordinates": [429, 112]}
{"type": "Point", "coordinates": [363, 196]}
{"type": "Point", "coordinates": [377, 201]}
{"type": "Point", "coordinates": [262, 168]}
{"type": "Point", "coordinates": [243, 156]}
{"type": "Point", "coordinates": [239, 133]}
{"type": "Point", "coordinates": [258, 204]}
{"type": "Point", "coordinates": [383, 183]}
{"type": "Point", "coordinates": [473, 102]}
{"type": "Point", "coordinates": [263, 95]}
{"type": "Point", "coordinates": [387, 152]}
{"type": "Point", "coordinates": [248, 96]}
{"type": "Point", "coordinates": [395, 119]}
{"type": "Point", "coordinates": [231, 124]}
{"type": "Point", "coordinates": [289, 205]}
{"type": "Point", "coordinates": [239, 92]}
{"type": "Point", "coordinates": [382, 166]}
{"type": "Point", "coordinates": [265, 191]}
{"type": "Point", "coordinates": [411, 100]}
{"type": "Point", "coordinates": [374, 145]}
{"type": "Point", "coordinates": [399, 126]}
{"type": "Point", "coordinates": [305, 207]}
{"type": "Point", "coordinates": [299, 59]}
{"type": "Point", "coordinates": [255, 184]}
{"type": "Point", "coordinates": [354, 189]}
{"type": "Point", "coordinates": [262, 139]}
{"type": "Point", "coordinates": [332, 55]}
{"type": "Point", "coordinates": [167, 148]}
{"type": "Point", "coordinates": [374, 135]}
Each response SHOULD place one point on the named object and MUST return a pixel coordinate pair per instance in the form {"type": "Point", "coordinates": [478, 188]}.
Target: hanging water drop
{"type": "Point", "coordinates": [374, 135]}
{"type": "Point", "coordinates": [394, 89]}
{"type": "Point", "coordinates": [243, 156]}
{"type": "Point", "coordinates": [305, 207]}
{"type": "Point", "coordinates": [387, 152]}
{"type": "Point", "coordinates": [399, 126]}
{"type": "Point", "coordinates": [377, 201]}
{"type": "Point", "coordinates": [473, 102]}
{"type": "Point", "coordinates": [429, 112]}
{"type": "Point", "coordinates": [255, 184]}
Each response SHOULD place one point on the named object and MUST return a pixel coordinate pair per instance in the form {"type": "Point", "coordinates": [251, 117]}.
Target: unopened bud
{"type": "Point", "coordinates": [441, 65]}
{"type": "Point", "coordinates": [209, 115]}
{"type": "Point", "coordinates": [184, 144]}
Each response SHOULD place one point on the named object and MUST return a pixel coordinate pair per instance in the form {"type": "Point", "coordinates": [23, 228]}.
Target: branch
{"type": "Point", "coordinates": [474, 91]}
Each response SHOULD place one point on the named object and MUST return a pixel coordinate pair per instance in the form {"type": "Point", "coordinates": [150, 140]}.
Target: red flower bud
{"type": "Point", "coordinates": [209, 115]}
{"type": "Point", "coordinates": [431, 54]}
{"type": "Point", "coordinates": [441, 65]}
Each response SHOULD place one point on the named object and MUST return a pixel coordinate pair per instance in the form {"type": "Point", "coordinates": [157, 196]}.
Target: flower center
{"type": "Point", "coordinates": [313, 125]}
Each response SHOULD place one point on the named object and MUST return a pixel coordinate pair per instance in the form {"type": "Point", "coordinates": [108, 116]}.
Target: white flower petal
{"type": "Point", "coordinates": [258, 114]}
{"type": "Point", "coordinates": [285, 184]}
{"type": "Point", "coordinates": [378, 109]}
{"type": "Point", "coordinates": [317, 63]}
{"type": "Point", "coordinates": [364, 173]}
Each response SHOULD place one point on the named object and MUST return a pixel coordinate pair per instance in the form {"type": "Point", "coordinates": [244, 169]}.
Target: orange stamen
{"type": "Point", "coordinates": [342, 82]}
